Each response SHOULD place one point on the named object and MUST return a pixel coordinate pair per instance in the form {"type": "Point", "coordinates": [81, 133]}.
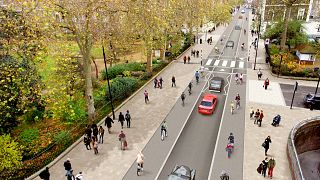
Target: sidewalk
{"type": "Point", "coordinates": [271, 102]}
{"type": "Point", "coordinates": [111, 162]}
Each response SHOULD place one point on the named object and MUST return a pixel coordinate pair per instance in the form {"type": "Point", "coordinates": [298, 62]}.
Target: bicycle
{"type": "Point", "coordinates": [229, 149]}
{"type": "Point", "coordinates": [183, 97]}
{"type": "Point", "coordinates": [197, 79]}
{"type": "Point", "coordinates": [238, 104]}
{"type": "Point", "coordinates": [163, 134]}
{"type": "Point", "coordinates": [70, 175]}
{"type": "Point", "coordinates": [232, 107]}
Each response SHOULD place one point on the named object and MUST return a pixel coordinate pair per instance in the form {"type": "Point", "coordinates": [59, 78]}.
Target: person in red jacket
{"type": "Point", "coordinates": [260, 118]}
{"type": "Point", "coordinates": [266, 83]}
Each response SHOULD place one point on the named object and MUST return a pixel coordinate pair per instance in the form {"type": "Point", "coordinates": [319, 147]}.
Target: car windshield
{"type": "Point", "coordinates": [215, 83]}
{"type": "Point", "coordinates": [206, 103]}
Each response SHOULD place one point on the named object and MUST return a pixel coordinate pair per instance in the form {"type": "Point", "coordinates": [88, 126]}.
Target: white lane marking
{"type": "Point", "coordinates": [209, 62]}
{"type": "Point", "coordinates": [225, 62]}
{"type": "Point", "coordinates": [233, 64]}
{"type": "Point", "coordinates": [217, 62]}
{"type": "Point", "coordinates": [241, 64]}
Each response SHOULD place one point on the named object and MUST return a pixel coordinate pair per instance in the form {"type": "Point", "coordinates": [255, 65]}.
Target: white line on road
{"type": "Point", "coordinates": [209, 62]}
{"type": "Point", "coordinates": [241, 64]}
{"type": "Point", "coordinates": [233, 64]}
{"type": "Point", "coordinates": [217, 62]}
{"type": "Point", "coordinates": [225, 62]}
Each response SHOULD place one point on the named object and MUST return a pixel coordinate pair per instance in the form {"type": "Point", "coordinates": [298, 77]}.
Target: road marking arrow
{"type": "Point", "coordinates": [221, 69]}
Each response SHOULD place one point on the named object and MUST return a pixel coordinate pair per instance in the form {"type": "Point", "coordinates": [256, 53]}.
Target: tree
{"type": "Point", "coordinates": [10, 153]}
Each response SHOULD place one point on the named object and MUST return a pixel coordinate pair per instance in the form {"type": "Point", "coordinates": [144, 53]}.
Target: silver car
{"type": "Point", "coordinates": [230, 44]}
{"type": "Point", "coordinates": [182, 173]}
{"type": "Point", "coordinates": [216, 84]}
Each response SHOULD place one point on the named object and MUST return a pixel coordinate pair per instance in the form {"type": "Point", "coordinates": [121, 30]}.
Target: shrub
{"type": "Point", "coordinates": [145, 76]}
{"type": "Point", "coordinates": [121, 88]}
{"type": "Point", "coordinates": [10, 154]}
{"type": "Point", "coordinates": [29, 135]}
{"type": "Point", "coordinates": [63, 138]}
{"type": "Point", "coordinates": [118, 69]}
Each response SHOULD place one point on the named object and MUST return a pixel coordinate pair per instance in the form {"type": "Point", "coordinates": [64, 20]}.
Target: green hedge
{"type": "Point", "coordinates": [118, 69]}
{"type": "Point", "coordinates": [123, 87]}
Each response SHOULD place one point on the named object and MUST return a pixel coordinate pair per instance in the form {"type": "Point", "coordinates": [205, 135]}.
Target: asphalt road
{"type": "Point", "coordinates": [302, 91]}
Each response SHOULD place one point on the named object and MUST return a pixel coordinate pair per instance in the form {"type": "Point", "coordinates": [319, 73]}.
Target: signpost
{"type": "Point", "coordinates": [294, 92]}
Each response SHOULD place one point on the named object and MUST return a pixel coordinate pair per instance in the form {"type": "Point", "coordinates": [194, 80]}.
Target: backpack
{"type": "Point", "coordinates": [128, 116]}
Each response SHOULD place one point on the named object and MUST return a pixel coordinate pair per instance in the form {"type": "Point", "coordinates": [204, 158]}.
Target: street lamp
{"type": "Point", "coordinates": [109, 89]}
{"type": "Point", "coordinates": [316, 69]}
{"type": "Point", "coordinates": [255, 58]}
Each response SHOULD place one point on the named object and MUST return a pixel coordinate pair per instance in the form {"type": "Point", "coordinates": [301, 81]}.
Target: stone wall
{"type": "Point", "coordinates": [304, 137]}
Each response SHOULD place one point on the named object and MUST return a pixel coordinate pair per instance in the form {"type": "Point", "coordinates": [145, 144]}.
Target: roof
{"type": "Point", "coordinates": [311, 29]}
{"type": "Point", "coordinates": [306, 49]}
{"type": "Point", "coordinates": [209, 96]}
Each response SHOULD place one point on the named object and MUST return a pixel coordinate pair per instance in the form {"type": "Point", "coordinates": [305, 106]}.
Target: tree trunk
{"type": "Point", "coordinates": [284, 33]}
{"type": "Point", "coordinates": [149, 61]}
{"type": "Point", "coordinates": [89, 89]}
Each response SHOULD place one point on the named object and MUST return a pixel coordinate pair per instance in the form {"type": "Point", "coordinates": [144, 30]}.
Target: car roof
{"type": "Point", "coordinates": [230, 41]}
{"type": "Point", "coordinates": [217, 78]}
{"type": "Point", "coordinates": [209, 97]}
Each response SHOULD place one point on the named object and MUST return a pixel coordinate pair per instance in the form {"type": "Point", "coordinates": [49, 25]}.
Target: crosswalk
{"type": "Point", "coordinates": [236, 64]}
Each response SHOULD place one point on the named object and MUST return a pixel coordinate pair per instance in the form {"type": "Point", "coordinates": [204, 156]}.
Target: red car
{"type": "Point", "coordinates": [208, 104]}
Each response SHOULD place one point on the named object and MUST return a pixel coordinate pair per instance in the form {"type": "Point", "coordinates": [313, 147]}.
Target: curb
{"type": "Point", "coordinates": [65, 152]}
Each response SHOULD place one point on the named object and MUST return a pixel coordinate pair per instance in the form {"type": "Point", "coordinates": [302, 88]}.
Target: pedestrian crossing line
{"type": "Point", "coordinates": [216, 63]}
{"type": "Point", "coordinates": [225, 63]}
{"type": "Point", "coordinates": [241, 64]}
{"type": "Point", "coordinates": [233, 64]}
{"type": "Point", "coordinates": [209, 62]}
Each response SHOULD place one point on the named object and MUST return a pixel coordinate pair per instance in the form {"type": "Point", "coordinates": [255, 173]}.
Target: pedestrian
{"type": "Point", "coordinates": [95, 145]}
{"type": "Point", "coordinates": [173, 81]}
{"type": "Point", "coordinates": [67, 167]}
{"type": "Point", "coordinates": [79, 176]}
{"type": "Point", "coordinates": [121, 119]}
{"type": "Point", "coordinates": [271, 165]}
{"type": "Point", "coordinates": [101, 134]}
{"type": "Point", "coordinates": [197, 53]}
{"type": "Point", "coordinates": [264, 166]}
{"type": "Point", "coordinates": [86, 141]}
{"type": "Point", "coordinates": [266, 145]}
{"type": "Point", "coordinates": [241, 78]}
{"type": "Point", "coordinates": [161, 81]}
{"type": "Point", "coordinates": [266, 83]}
{"type": "Point", "coordinates": [45, 174]}
{"type": "Point", "coordinates": [260, 118]}
{"type": "Point", "coordinates": [252, 32]}
{"type": "Point", "coordinates": [122, 139]}
{"type": "Point", "coordinates": [224, 175]}
{"type": "Point", "coordinates": [256, 116]}
{"type": "Point", "coordinates": [184, 59]}
{"type": "Point", "coordinates": [95, 131]}
{"type": "Point", "coordinates": [189, 59]}
{"type": "Point", "coordinates": [155, 81]}
{"type": "Point", "coordinates": [146, 96]}
{"type": "Point", "coordinates": [128, 119]}
{"type": "Point", "coordinates": [251, 112]}
{"type": "Point", "coordinates": [108, 122]}
{"type": "Point", "coordinates": [236, 78]}
{"type": "Point", "coordinates": [140, 161]}
{"type": "Point", "coordinates": [88, 132]}
{"type": "Point", "coordinates": [259, 74]}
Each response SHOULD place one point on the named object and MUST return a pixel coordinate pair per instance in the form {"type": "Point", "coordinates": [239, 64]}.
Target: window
{"type": "Point", "coordinates": [300, 13]}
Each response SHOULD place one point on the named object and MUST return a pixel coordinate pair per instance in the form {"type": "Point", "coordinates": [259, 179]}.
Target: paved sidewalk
{"type": "Point", "coordinates": [271, 102]}
{"type": "Point", "coordinates": [111, 162]}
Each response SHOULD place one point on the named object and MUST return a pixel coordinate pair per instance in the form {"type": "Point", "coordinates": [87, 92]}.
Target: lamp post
{"type": "Point", "coordinates": [255, 58]}
{"type": "Point", "coordinates": [317, 70]}
{"type": "Point", "coordinates": [109, 89]}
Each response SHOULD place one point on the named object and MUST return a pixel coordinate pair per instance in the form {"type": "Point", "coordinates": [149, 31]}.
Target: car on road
{"type": "Point", "coordinates": [237, 27]}
{"type": "Point", "coordinates": [208, 103]}
{"type": "Point", "coordinates": [216, 84]}
{"type": "Point", "coordinates": [312, 101]}
{"type": "Point", "coordinates": [182, 173]}
{"type": "Point", "coordinates": [243, 11]}
{"type": "Point", "coordinates": [230, 44]}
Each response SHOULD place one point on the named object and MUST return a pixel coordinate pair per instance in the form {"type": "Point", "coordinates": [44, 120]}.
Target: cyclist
{"type": "Point", "coordinates": [232, 106]}
{"type": "Point", "coordinates": [216, 49]}
{"type": "Point", "coordinates": [236, 78]}
{"type": "Point", "coordinates": [164, 128]}
{"type": "Point", "coordinates": [231, 138]}
{"type": "Point", "coordinates": [237, 100]}
{"type": "Point", "coordinates": [197, 76]}
{"type": "Point", "coordinates": [224, 175]}
{"type": "Point", "coordinates": [140, 161]}
{"type": "Point", "coordinates": [183, 97]}
{"type": "Point", "coordinates": [190, 87]}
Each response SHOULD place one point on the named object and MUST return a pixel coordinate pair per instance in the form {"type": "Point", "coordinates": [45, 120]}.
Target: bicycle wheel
{"type": "Point", "coordinates": [162, 135]}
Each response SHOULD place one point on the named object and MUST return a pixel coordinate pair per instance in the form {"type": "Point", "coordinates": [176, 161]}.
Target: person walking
{"type": "Point", "coordinates": [189, 59]}
{"type": "Point", "coordinates": [161, 81]}
{"type": "Point", "coordinates": [140, 161]}
{"type": "Point", "coordinates": [266, 83]}
{"type": "Point", "coordinates": [184, 59]}
{"type": "Point", "coordinates": [259, 73]}
{"type": "Point", "coordinates": [237, 99]}
{"type": "Point", "coordinates": [264, 166]}
{"type": "Point", "coordinates": [128, 119]}
{"type": "Point", "coordinates": [108, 122]}
{"type": "Point", "coordinates": [173, 81]}
{"type": "Point", "coordinates": [241, 78]}
{"type": "Point", "coordinates": [95, 145]}
{"type": "Point", "coordinates": [45, 174]}
{"type": "Point", "coordinates": [183, 97]}
{"type": "Point", "coordinates": [260, 118]}
{"type": "Point", "coordinates": [266, 145]}
{"type": "Point", "coordinates": [95, 131]}
{"type": "Point", "coordinates": [146, 96]}
{"type": "Point", "coordinates": [251, 112]}
{"type": "Point", "coordinates": [101, 134]}
{"type": "Point", "coordinates": [121, 119]}
{"type": "Point", "coordinates": [86, 141]}
{"type": "Point", "coordinates": [88, 132]}
{"type": "Point", "coordinates": [122, 139]}
{"type": "Point", "coordinates": [256, 116]}
{"type": "Point", "coordinates": [271, 165]}
{"type": "Point", "coordinates": [68, 167]}
{"type": "Point", "coordinates": [155, 82]}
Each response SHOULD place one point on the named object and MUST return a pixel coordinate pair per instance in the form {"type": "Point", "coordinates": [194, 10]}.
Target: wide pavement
{"type": "Point", "coordinates": [112, 163]}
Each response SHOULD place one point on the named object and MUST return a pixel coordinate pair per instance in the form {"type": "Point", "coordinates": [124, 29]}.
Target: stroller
{"type": "Point", "coordinates": [276, 120]}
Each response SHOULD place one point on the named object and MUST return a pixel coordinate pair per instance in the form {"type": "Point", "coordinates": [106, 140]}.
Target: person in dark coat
{"type": "Point", "coordinates": [67, 166]}
{"type": "Point", "coordinates": [45, 174]}
{"type": "Point", "coordinates": [88, 132]}
{"type": "Point", "coordinates": [160, 82]}
{"type": "Point", "coordinates": [108, 122]}
{"type": "Point", "coordinates": [267, 142]}
{"type": "Point", "coordinates": [128, 119]}
{"type": "Point", "coordinates": [86, 141]}
{"type": "Point", "coordinates": [264, 167]}
{"type": "Point", "coordinates": [95, 132]}
{"type": "Point", "coordinates": [121, 119]}
{"type": "Point", "coordinates": [184, 59]}
{"type": "Point", "coordinates": [173, 80]}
